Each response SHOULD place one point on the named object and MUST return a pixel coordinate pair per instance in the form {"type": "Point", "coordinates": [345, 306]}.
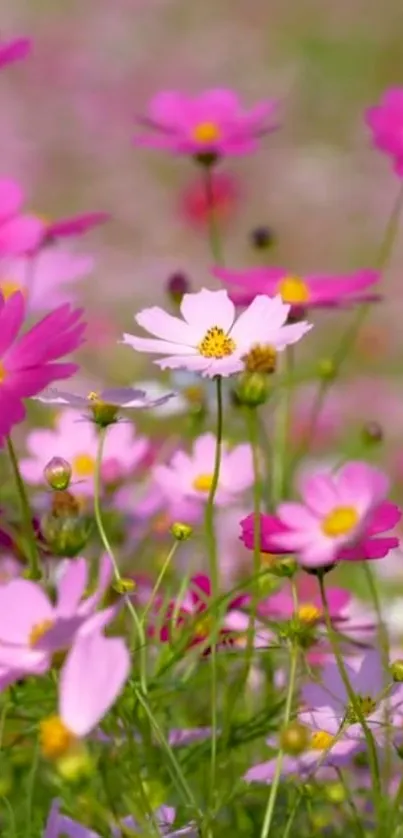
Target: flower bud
{"type": "Point", "coordinates": [262, 238]}
{"type": "Point", "coordinates": [57, 473]}
{"type": "Point", "coordinates": [294, 739]}
{"type": "Point", "coordinates": [396, 671]}
{"type": "Point", "coordinates": [252, 389]}
{"type": "Point", "coordinates": [335, 792]}
{"type": "Point", "coordinates": [178, 285]}
{"type": "Point", "coordinates": [124, 586]}
{"type": "Point", "coordinates": [282, 566]}
{"type": "Point", "coordinates": [181, 531]}
{"type": "Point", "coordinates": [372, 433]}
{"type": "Point", "coordinates": [64, 529]}
{"type": "Point", "coordinates": [103, 414]}
{"type": "Point", "coordinates": [326, 369]}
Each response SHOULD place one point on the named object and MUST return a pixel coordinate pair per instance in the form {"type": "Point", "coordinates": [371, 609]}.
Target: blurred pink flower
{"type": "Point", "coordinates": [19, 233]}
{"type": "Point", "coordinates": [75, 225]}
{"type": "Point", "coordinates": [27, 364]}
{"type": "Point", "coordinates": [385, 121]}
{"type": "Point", "coordinates": [341, 518]}
{"type": "Point", "coordinates": [280, 605]}
{"type": "Point", "coordinates": [45, 278]}
{"type": "Point", "coordinates": [309, 291]}
{"type": "Point", "coordinates": [196, 207]}
{"type": "Point", "coordinates": [15, 50]}
{"type": "Point", "coordinates": [209, 339]}
{"type": "Point", "coordinates": [77, 441]}
{"type": "Point", "coordinates": [211, 125]}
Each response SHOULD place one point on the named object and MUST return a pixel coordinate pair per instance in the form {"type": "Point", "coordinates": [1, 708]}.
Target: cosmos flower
{"type": "Point", "coordinates": [44, 279]}
{"type": "Point", "coordinates": [301, 292]}
{"type": "Point", "coordinates": [59, 825]}
{"type": "Point", "coordinates": [209, 339]}
{"type": "Point", "coordinates": [75, 225]}
{"type": "Point", "coordinates": [15, 50]}
{"type": "Point", "coordinates": [343, 516]}
{"type": "Point", "coordinates": [385, 121]}
{"type": "Point", "coordinates": [195, 206]}
{"type": "Point", "coordinates": [29, 363]}
{"type": "Point", "coordinates": [126, 398]}
{"type": "Point", "coordinates": [20, 233]}
{"type": "Point", "coordinates": [208, 126]}
{"type": "Point", "coordinates": [77, 442]}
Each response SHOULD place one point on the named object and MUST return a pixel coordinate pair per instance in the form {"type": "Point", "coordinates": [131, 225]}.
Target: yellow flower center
{"type": "Point", "coordinates": [193, 394]}
{"type": "Point", "coordinates": [55, 738]}
{"type": "Point", "coordinates": [38, 631]}
{"type": "Point", "coordinates": [204, 626]}
{"type": "Point", "coordinates": [8, 287]}
{"type": "Point", "coordinates": [83, 465]}
{"type": "Point", "coordinates": [340, 521]}
{"type": "Point", "coordinates": [206, 133]}
{"type": "Point", "coordinates": [308, 613]}
{"type": "Point", "coordinates": [321, 740]}
{"type": "Point", "coordinates": [3, 373]}
{"type": "Point", "coordinates": [261, 358]}
{"type": "Point", "coordinates": [203, 482]}
{"type": "Point", "coordinates": [216, 344]}
{"type": "Point", "coordinates": [293, 290]}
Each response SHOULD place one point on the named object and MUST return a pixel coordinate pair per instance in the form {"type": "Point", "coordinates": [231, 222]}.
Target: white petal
{"type": "Point", "coordinates": [163, 325]}
{"type": "Point", "coordinates": [207, 309]}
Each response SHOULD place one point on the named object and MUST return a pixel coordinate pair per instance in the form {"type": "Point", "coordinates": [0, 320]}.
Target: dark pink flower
{"type": "Point", "coordinates": [301, 292]}
{"type": "Point", "coordinates": [19, 233]}
{"type": "Point", "coordinates": [75, 225]}
{"type": "Point", "coordinates": [11, 51]}
{"type": "Point", "coordinates": [385, 121]}
{"type": "Point", "coordinates": [211, 125]}
{"type": "Point", "coordinates": [196, 207]}
{"type": "Point", "coordinates": [29, 363]}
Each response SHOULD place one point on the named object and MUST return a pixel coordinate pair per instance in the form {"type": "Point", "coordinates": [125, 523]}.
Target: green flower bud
{"type": "Point", "coordinates": [294, 739]}
{"type": "Point", "coordinates": [57, 473]}
{"type": "Point", "coordinates": [396, 671]}
{"type": "Point", "coordinates": [326, 369]}
{"type": "Point", "coordinates": [252, 389]}
{"type": "Point", "coordinates": [181, 531]}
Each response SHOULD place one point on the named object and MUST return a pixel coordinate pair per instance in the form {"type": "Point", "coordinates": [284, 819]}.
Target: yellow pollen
{"type": "Point", "coordinates": [38, 631]}
{"type": "Point", "coordinates": [8, 287]}
{"type": "Point", "coordinates": [93, 396]}
{"type": "Point", "coordinates": [206, 132]}
{"type": "Point", "coordinates": [203, 482]}
{"type": "Point", "coordinates": [308, 613]}
{"type": "Point", "coordinates": [3, 372]}
{"type": "Point", "coordinates": [321, 740]}
{"type": "Point", "coordinates": [293, 290]}
{"type": "Point", "coordinates": [340, 521]}
{"type": "Point", "coordinates": [261, 358]}
{"type": "Point", "coordinates": [216, 344]}
{"type": "Point", "coordinates": [83, 465]}
{"type": "Point", "coordinates": [55, 738]}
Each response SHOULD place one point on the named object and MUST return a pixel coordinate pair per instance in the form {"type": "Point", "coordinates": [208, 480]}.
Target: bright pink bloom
{"type": "Point", "coordinates": [209, 339]}
{"type": "Point", "coordinates": [386, 123]}
{"type": "Point", "coordinates": [75, 225]}
{"type": "Point", "coordinates": [343, 516]}
{"type": "Point", "coordinates": [27, 364]}
{"type": "Point", "coordinates": [301, 292]}
{"type": "Point", "coordinates": [212, 124]}
{"type": "Point", "coordinates": [280, 605]}
{"type": "Point", "coordinates": [196, 207]}
{"type": "Point", "coordinates": [11, 51]}
{"type": "Point", "coordinates": [19, 233]}
{"type": "Point", "coordinates": [33, 632]}
{"type": "Point", "coordinates": [45, 279]}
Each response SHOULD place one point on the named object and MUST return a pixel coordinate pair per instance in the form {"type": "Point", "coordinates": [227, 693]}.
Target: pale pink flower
{"type": "Point", "coordinates": [209, 338]}
{"type": "Point", "coordinates": [45, 279]}
{"type": "Point", "coordinates": [77, 441]}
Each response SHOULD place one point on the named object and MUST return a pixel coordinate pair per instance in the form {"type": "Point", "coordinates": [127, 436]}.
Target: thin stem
{"type": "Point", "coordinates": [359, 828]}
{"type": "Point", "coordinates": [268, 817]}
{"type": "Point", "coordinates": [157, 585]}
{"type": "Point", "coordinates": [109, 549]}
{"type": "Point", "coordinates": [253, 432]}
{"type": "Point", "coordinates": [354, 701]}
{"type": "Point", "coordinates": [214, 576]}
{"type": "Point", "coordinates": [281, 430]}
{"type": "Point", "coordinates": [214, 233]}
{"type": "Point", "coordinates": [34, 568]}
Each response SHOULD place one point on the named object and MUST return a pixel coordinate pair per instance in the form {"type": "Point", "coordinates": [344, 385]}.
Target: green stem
{"type": "Point", "coordinates": [280, 445]}
{"type": "Point", "coordinates": [109, 549]}
{"type": "Point", "coordinates": [214, 233]}
{"type": "Point", "coordinates": [160, 577]}
{"type": "Point", "coordinates": [34, 568]}
{"type": "Point", "coordinates": [253, 432]}
{"type": "Point", "coordinates": [354, 701]}
{"type": "Point", "coordinates": [359, 827]}
{"type": "Point", "coordinates": [268, 817]}
{"type": "Point", "coordinates": [214, 576]}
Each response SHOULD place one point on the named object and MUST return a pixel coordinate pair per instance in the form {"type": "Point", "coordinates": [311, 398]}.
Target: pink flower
{"type": "Point", "coordinates": [280, 605]}
{"type": "Point", "coordinates": [190, 476]}
{"type": "Point", "coordinates": [209, 339]}
{"type": "Point", "coordinates": [195, 206]}
{"type": "Point", "coordinates": [91, 680]}
{"type": "Point", "coordinates": [75, 225]}
{"type": "Point", "coordinates": [45, 278]}
{"type": "Point", "coordinates": [19, 233]}
{"type": "Point", "coordinates": [77, 441]}
{"type": "Point", "coordinates": [314, 290]}
{"type": "Point", "coordinates": [211, 125]}
{"type": "Point", "coordinates": [27, 364]}
{"type": "Point", "coordinates": [31, 633]}
{"type": "Point", "coordinates": [11, 51]}
{"type": "Point", "coordinates": [343, 516]}
{"type": "Point", "coordinates": [386, 124]}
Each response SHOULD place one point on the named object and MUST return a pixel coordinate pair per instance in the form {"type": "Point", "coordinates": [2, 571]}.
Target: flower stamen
{"type": "Point", "coordinates": [216, 344]}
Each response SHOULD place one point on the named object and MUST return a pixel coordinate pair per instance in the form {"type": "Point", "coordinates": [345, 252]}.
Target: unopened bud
{"type": "Point", "coordinates": [282, 566]}
{"type": "Point", "coordinates": [335, 792]}
{"type": "Point", "coordinates": [294, 739]}
{"type": "Point", "coordinates": [262, 238]}
{"type": "Point", "coordinates": [178, 285]}
{"type": "Point", "coordinates": [124, 586]}
{"type": "Point", "coordinates": [372, 433]}
{"type": "Point", "coordinates": [57, 473]}
{"type": "Point", "coordinates": [65, 530]}
{"type": "Point", "coordinates": [252, 389]}
{"type": "Point", "coordinates": [181, 531]}
{"type": "Point", "coordinates": [396, 671]}
{"type": "Point", "coordinates": [103, 414]}
{"type": "Point", "coordinates": [326, 369]}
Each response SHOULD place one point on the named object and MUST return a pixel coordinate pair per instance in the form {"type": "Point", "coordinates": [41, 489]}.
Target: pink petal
{"type": "Point", "coordinates": [206, 309]}
{"type": "Point", "coordinates": [16, 622]}
{"type": "Point", "coordinates": [71, 587]}
{"type": "Point", "coordinates": [11, 197]}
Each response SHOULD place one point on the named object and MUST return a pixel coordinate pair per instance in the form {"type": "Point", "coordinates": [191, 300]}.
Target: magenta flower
{"type": "Point", "coordinates": [11, 51]}
{"type": "Point", "coordinates": [208, 126]}
{"type": "Point", "coordinates": [209, 339]}
{"type": "Point", "coordinates": [315, 290]}
{"type": "Point", "coordinates": [75, 225]}
{"type": "Point", "coordinates": [19, 233]}
{"type": "Point", "coordinates": [280, 605]}
{"type": "Point", "coordinates": [385, 121]}
{"type": "Point", "coordinates": [33, 632]}
{"type": "Point", "coordinates": [342, 518]}
{"type": "Point", "coordinates": [29, 363]}
{"type": "Point", "coordinates": [91, 680]}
